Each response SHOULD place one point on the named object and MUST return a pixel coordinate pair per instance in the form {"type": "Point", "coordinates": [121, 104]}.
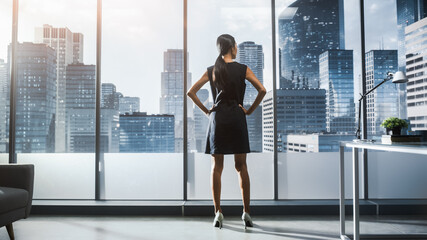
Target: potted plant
{"type": "Point", "coordinates": [394, 125]}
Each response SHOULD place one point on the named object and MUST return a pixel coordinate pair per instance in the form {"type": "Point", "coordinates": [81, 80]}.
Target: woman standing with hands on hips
{"type": "Point", "coordinates": [227, 132]}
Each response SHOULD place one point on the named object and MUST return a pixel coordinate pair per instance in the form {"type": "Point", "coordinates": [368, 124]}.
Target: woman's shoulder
{"type": "Point", "coordinates": [242, 67]}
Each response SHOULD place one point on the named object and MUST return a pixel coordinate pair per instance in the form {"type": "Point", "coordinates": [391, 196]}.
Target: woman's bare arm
{"type": "Point", "coordinates": [250, 76]}
{"type": "Point", "coordinates": [195, 88]}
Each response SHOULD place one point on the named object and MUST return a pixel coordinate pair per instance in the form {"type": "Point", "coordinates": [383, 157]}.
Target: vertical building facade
{"type": "Point", "coordinates": [172, 97]}
{"type": "Point", "coordinates": [384, 101]}
{"type": "Point", "coordinates": [251, 54]}
{"type": "Point", "coordinates": [80, 107]}
{"type": "Point", "coordinates": [408, 12]}
{"type": "Point", "coordinates": [140, 132]}
{"type": "Point", "coordinates": [4, 106]}
{"type": "Point", "coordinates": [109, 96]}
{"type": "Point", "coordinates": [110, 118]}
{"type": "Point", "coordinates": [35, 98]}
{"type": "Point", "coordinates": [336, 77]}
{"type": "Point", "coordinates": [416, 70]}
{"type": "Point", "coordinates": [308, 28]}
{"type": "Point", "coordinates": [299, 111]}
{"type": "Point", "coordinates": [61, 40]}
{"type": "Point", "coordinates": [78, 45]}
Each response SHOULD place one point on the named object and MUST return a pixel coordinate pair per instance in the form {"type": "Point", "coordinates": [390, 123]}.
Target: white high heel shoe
{"type": "Point", "coordinates": [247, 220]}
{"type": "Point", "coordinates": [218, 220]}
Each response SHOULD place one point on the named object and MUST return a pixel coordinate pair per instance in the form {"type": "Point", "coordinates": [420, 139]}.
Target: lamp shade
{"type": "Point", "coordinates": [399, 77]}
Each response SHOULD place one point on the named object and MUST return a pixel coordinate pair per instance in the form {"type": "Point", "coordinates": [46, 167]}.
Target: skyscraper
{"type": "Point", "coordinates": [172, 92]}
{"type": "Point", "coordinates": [61, 40]}
{"type": "Point", "coordinates": [251, 54]}
{"type": "Point", "coordinates": [110, 118]}
{"type": "Point", "coordinates": [80, 107]}
{"type": "Point", "coordinates": [336, 77]}
{"type": "Point", "coordinates": [408, 12]}
{"type": "Point", "coordinates": [384, 101]}
{"type": "Point", "coordinates": [140, 132]}
{"type": "Point", "coordinates": [416, 68]}
{"type": "Point", "coordinates": [128, 104]}
{"type": "Point", "coordinates": [299, 111]}
{"type": "Point", "coordinates": [109, 96]}
{"type": "Point", "coordinates": [4, 98]}
{"type": "Point", "coordinates": [35, 98]}
{"type": "Point", "coordinates": [308, 28]}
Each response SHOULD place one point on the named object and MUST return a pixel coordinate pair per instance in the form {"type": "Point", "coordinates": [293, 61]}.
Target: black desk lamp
{"type": "Point", "coordinates": [398, 77]}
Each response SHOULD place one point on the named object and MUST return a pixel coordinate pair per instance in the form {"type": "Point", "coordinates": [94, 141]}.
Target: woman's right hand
{"type": "Point", "coordinates": [244, 110]}
{"type": "Point", "coordinates": [209, 111]}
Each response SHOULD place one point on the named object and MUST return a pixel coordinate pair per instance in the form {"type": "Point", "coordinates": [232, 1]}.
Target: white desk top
{"type": "Point", "coordinates": [406, 147]}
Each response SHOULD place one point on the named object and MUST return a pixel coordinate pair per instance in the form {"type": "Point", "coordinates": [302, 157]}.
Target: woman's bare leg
{"type": "Point", "coordinates": [217, 167]}
{"type": "Point", "coordinates": [242, 171]}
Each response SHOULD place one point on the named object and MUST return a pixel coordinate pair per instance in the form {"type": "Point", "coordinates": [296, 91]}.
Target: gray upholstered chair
{"type": "Point", "coordinates": [16, 193]}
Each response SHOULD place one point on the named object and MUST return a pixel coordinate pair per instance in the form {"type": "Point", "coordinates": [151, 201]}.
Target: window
{"type": "Point", "coordinates": [250, 25]}
{"type": "Point", "coordinates": [55, 96]}
{"type": "Point", "coordinates": [318, 78]}
{"type": "Point", "coordinates": [142, 99]}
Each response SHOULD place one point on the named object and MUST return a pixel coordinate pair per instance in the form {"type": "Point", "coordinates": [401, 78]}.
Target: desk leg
{"type": "Point", "coordinates": [342, 193]}
{"type": "Point", "coordinates": [356, 193]}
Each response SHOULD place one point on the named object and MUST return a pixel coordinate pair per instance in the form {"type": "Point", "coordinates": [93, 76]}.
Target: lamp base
{"type": "Point", "coordinates": [364, 140]}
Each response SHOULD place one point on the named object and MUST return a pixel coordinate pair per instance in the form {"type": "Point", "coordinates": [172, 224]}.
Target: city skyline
{"type": "Point", "coordinates": [69, 49]}
{"type": "Point", "coordinates": [202, 51]}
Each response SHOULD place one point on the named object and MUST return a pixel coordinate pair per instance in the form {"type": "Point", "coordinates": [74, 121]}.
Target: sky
{"type": "Point", "coordinates": [135, 34]}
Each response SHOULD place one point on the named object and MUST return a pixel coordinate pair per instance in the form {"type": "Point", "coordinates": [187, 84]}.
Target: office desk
{"type": "Point", "coordinates": [417, 148]}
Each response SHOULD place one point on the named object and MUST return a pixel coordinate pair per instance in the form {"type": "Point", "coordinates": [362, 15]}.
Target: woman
{"type": "Point", "coordinates": [227, 132]}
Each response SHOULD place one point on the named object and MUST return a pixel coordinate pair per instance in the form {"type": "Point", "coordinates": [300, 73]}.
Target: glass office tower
{"type": "Point", "coordinates": [251, 54]}
{"type": "Point", "coordinates": [80, 108]}
{"type": "Point", "coordinates": [299, 111]}
{"type": "Point", "coordinates": [140, 132]}
{"type": "Point", "coordinates": [307, 29]}
{"type": "Point", "coordinates": [384, 101]}
{"type": "Point", "coordinates": [35, 98]}
{"type": "Point", "coordinates": [68, 49]}
{"type": "Point", "coordinates": [172, 88]}
{"type": "Point", "coordinates": [4, 105]}
{"type": "Point", "coordinates": [336, 77]}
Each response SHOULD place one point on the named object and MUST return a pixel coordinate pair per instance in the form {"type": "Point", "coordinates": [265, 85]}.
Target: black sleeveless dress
{"type": "Point", "coordinates": [227, 131]}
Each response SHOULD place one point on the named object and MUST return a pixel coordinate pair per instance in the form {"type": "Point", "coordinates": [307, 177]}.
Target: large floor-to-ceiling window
{"type": "Point", "coordinates": [250, 24]}
{"type": "Point", "coordinates": [142, 100]}
{"type": "Point", "coordinates": [55, 96]}
{"type": "Point", "coordinates": [396, 42]}
{"type": "Point", "coordinates": [319, 69]}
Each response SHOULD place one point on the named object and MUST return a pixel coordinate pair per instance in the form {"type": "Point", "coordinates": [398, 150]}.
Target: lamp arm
{"type": "Point", "coordinates": [360, 104]}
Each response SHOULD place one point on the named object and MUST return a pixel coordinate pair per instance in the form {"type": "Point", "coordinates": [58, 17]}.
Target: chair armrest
{"type": "Point", "coordinates": [18, 176]}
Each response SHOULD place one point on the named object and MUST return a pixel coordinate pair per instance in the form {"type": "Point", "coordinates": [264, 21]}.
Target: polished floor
{"type": "Point", "coordinates": [40, 227]}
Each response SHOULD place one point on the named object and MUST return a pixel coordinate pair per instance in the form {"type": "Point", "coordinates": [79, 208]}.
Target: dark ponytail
{"type": "Point", "coordinates": [225, 42]}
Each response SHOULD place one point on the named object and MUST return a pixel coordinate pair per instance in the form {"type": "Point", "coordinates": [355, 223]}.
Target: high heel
{"type": "Point", "coordinates": [247, 220]}
{"type": "Point", "coordinates": [218, 220]}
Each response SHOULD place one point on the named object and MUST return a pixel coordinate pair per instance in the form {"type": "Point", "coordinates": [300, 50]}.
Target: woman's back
{"type": "Point", "coordinates": [234, 90]}
{"type": "Point", "coordinates": [228, 131]}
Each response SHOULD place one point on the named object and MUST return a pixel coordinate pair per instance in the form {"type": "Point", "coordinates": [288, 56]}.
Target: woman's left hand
{"type": "Point", "coordinates": [244, 109]}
